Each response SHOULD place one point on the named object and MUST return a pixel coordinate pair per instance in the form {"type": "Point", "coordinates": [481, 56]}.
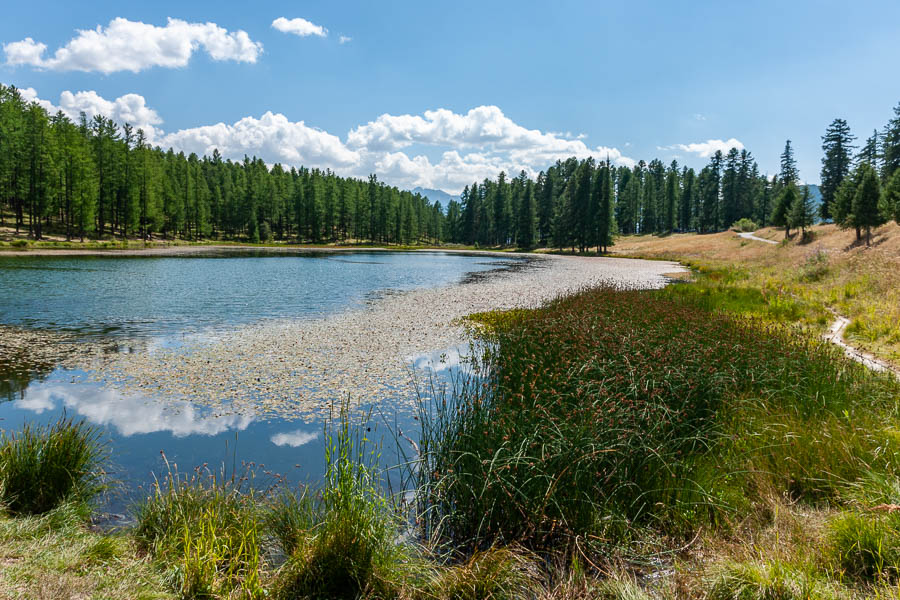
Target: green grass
{"type": "Point", "coordinates": [609, 411]}
{"type": "Point", "coordinates": [54, 556]}
{"type": "Point", "coordinates": [204, 529]}
{"type": "Point", "coordinates": [865, 546]}
{"type": "Point", "coordinates": [42, 467]}
{"type": "Point", "coordinates": [768, 580]}
{"type": "Point", "coordinates": [344, 544]}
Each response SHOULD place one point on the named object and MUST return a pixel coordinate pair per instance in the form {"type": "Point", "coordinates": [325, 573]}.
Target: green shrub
{"type": "Point", "coordinates": [815, 267]}
{"type": "Point", "coordinates": [745, 225]}
{"type": "Point", "coordinates": [43, 466]}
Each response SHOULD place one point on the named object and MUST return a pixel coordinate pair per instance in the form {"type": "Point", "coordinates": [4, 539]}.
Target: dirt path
{"type": "Point", "coordinates": [750, 236]}
{"type": "Point", "coordinates": [835, 335]}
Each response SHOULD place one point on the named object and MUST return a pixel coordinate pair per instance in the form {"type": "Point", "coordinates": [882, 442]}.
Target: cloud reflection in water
{"type": "Point", "coordinates": [130, 415]}
{"type": "Point", "coordinates": [294, 439]}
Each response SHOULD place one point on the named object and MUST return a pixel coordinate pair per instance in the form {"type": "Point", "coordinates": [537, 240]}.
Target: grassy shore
{"type": "Point", "coordinates": [699, 441]}
{"type": "Point", "coordinates": [616, 444]}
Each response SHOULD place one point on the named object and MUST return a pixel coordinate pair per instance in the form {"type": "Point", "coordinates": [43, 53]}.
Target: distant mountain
{"type": "Point", "coordinates": [439, 196]}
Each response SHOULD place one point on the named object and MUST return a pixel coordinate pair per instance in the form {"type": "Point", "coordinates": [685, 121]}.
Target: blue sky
{"type": "Point", "coordinates": [439, 95]}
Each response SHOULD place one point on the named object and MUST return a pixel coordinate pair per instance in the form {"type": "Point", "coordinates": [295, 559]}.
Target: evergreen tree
{"type": "Point", "coordinates": [837, 144]}
{"type": "Point", "coordinates": [528, 219]}
{"type": "Point", "coordinates": [890, 146]}
{"type": "Point", "coordinates": [892, 197]}
{"type": "Point", "coordinates": [671, 203]}
{"type": "Point", "coordinates": [869, 152]}
{"type": "Point", "coordinates": [866, 201]}
{"type": "Point", "coordinates": [789, 174]}
{"type": "Point", "coordinates": [685, 221]}
{"type": "Point", "coordinates": [802, 212]}
{"type": "Point", "coordinates": [781, 213]}
{"type": "Point", "coordinates": [730, 192]}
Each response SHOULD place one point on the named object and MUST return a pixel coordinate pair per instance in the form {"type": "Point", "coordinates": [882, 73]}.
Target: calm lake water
{"type": "Point", "coordinates": [148, 301]}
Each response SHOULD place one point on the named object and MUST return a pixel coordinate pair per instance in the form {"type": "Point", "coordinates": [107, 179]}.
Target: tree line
{"type": "Point", "coordinates": [93, 178]}
{"type": "Point", "coordinates": [583, 204]}
{"type": "Point", "coordinates": [861, 191]}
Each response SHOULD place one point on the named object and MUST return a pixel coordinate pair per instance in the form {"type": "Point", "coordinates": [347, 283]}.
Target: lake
{"type": "Point", "coordinates": [143, 304]}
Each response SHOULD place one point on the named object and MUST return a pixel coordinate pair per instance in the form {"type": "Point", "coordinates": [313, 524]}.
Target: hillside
{"type": "Point", "coordinates": [806, 282]}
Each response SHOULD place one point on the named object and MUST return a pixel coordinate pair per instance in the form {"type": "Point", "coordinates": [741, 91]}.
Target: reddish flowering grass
{"type": "Point", "coordinates": [608, 410]}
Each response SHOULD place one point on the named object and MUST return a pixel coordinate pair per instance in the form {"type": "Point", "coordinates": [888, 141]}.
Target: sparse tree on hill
{"type": "Point", "coordinates": [866, 209]}
{"type": "Point", "coordinates": [803, 212]}
{"type": "Point", "coordinates": [789, 174]}
{"type": "Point", "coordinates": [781, 214]}
{"type": "Point", "coordinates": [837, 144]}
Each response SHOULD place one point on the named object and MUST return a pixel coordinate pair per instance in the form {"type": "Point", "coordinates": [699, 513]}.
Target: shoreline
{"type": "Point", "coordinates": [292, 368]}
{"type": "Point", "coordinates": [188, 250]}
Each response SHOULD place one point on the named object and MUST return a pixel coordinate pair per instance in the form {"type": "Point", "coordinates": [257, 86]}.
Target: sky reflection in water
{"type": "Point", "coordinates": [140, 428]}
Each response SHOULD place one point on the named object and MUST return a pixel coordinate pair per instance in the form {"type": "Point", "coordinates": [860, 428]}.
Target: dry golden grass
{"type": "Point", "coordinates": [830, 272]}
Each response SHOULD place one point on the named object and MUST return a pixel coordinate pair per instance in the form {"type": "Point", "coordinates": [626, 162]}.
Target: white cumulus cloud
{"type": "Point", "coordinates": [344, 39]}
{"type": "Point", "coordinates": [131, 415]}
{"type": "Point", "coordinates": [707, 148]}
{"type": "Point", "coordinates": [125, 45]}
{"type": "Point", "coordinates": [129, 108]}
{"type": "Point", "coordinates": [461, 148]}
{"type": "Point", "coordinates": [300, 27]}
{"type": "Point", "coordinates": [272, 137]}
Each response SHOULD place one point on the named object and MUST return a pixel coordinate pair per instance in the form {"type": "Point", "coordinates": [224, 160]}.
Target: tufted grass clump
{"type": "Point", "coordinates": [496, 573]}
{"type": "Point", "coordinates": [44, 466]}
{"type": "Point", "coordinates": [865, 546]}
{"type": "Point", "coordinates": [767, 580]}
{"type": "Point", "coordinates": [204, 529]}
{"type": "Point", "coordinates": [346, 542]}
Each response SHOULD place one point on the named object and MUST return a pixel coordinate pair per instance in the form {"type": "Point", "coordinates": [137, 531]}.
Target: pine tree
{"type": "Point", "coordinates": [528, 220]}
{"type": "Point", "coordinates": [671, 211]}
{"type": "Point", "coordinates": [789, 174]}
{"type": "Point", "coordinates": [605, 218]}
{"type": "Point", "coordinates": [802, 212]}
{"type": "Point", "coordinates": [842, 209]}
{"type": "Point", "coordinates": [730, 189]}
{"type": "Point", "coordinates": [837, 144]}
{"type": "Point", "coordinates": [869, 152]}
{"type": "Point", "coordinates": [890, 146]}
{"type": "Point", "coordinates": [687, 200]}
{"type": "Point", "coordinates": [781, 214]}
{"type": "Point", "coordinates": [866, 201]}
{"type": "Point", "coordinates": [892, 197]}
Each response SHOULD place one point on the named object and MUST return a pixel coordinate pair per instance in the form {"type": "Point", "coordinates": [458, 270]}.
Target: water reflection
{"type": "Point", "coordinates": [129, 414]}
{"type": "Point", "coordinates": [294, 439]}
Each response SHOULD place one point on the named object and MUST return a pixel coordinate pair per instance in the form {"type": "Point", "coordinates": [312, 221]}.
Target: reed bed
{"type": "Point", "coordinates": [611, 412]}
